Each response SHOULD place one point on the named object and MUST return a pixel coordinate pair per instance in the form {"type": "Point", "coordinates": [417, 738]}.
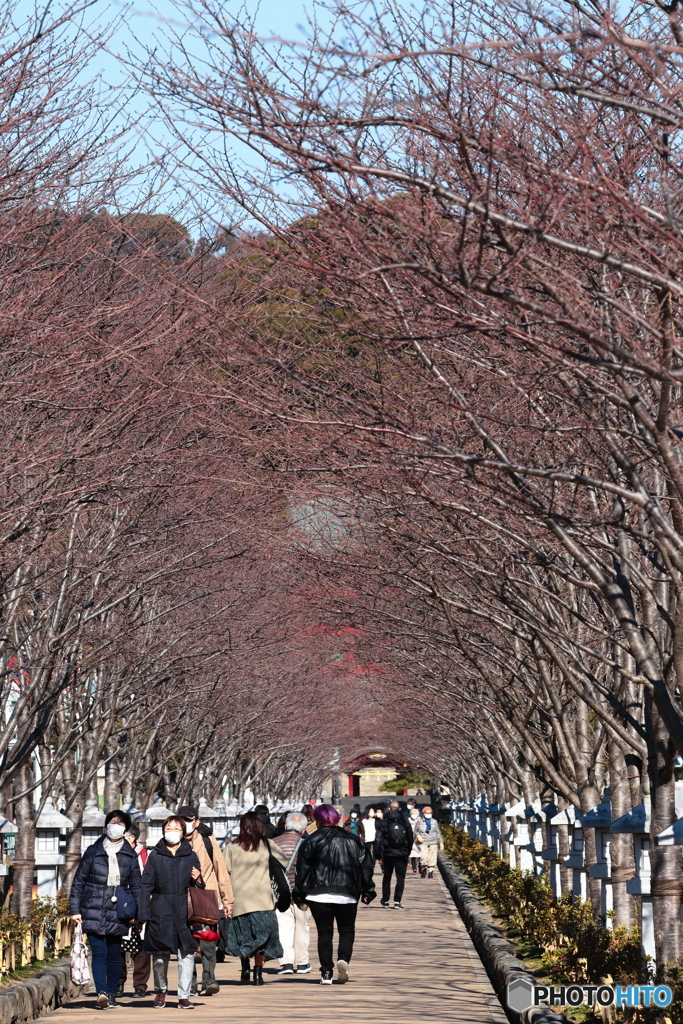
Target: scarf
{"type": "Point", "coordinates": [111, 849]}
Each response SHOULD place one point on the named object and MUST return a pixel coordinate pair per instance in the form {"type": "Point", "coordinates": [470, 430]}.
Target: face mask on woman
{"type": "Point", "coordinates": [173, 837]}
{"type": "Point", "coordinates": [414, 814]}
{"type": "Point", "coordinates": [353, 817]}
{"type": "Point", "coordinates": [427, 815]}
{"type": "Point", "coordinates": [115, 832]}
{"type": "Point", "coordinates": [371, 813]}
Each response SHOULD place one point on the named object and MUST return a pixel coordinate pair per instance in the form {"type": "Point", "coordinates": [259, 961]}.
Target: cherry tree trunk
{"type": "Point", "coordinates": [25, 849]}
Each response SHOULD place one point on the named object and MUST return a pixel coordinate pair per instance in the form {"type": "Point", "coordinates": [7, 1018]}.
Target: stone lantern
{"type": "Point", "coordinates": [220, 819]}
{"type": "Point", "coordinates": [157, 815]}
{"type": "Point", "coordinates": [93, 823]}
{"type": "Point", "coordinates": [495, 811]}
{"type": "Point", "coordinates": [8, 831]}
{"type": "Point", "coordinates": [48, 858]}
{"type": "Point", "coordinates": [637, 823]}
{"type": "Point", "coordinates": [575, 859]}
{"type": "Point", "coordinates": [207, 814]}
{"type": "Point", "coordinates": [140, 819]}
{"type": "Point", "coordinates": [527, 845]}
{"type": "Point", "coordinates": [600, 818]}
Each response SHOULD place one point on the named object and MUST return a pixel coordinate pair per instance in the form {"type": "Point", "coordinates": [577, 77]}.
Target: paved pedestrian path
{"type": "Point", "coordinates": [415, 964]}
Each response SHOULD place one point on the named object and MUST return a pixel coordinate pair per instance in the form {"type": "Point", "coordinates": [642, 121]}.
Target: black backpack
{"type": "Point", "coordinates": [397, 835]}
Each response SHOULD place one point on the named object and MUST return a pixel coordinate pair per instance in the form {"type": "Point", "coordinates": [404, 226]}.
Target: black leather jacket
{"type": "Point", "coordinates": [335, 861]}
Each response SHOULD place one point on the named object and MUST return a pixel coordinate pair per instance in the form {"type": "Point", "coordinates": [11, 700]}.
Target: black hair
{"type": "Point", "coordinates": [133, 830]}
{"type": "Point", "coordinates": [125, 818]}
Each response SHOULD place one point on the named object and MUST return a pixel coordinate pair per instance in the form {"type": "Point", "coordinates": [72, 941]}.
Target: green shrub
{"type": "Point", "coordinates": [575, 946]}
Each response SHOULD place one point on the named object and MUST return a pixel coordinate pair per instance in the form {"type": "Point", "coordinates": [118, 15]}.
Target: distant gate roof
{"type": "Point", "coordinates": [377, 759]}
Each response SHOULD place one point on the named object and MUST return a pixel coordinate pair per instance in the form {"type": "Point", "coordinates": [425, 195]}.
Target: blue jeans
{"type": "Point", "coordinates": [106, 962]}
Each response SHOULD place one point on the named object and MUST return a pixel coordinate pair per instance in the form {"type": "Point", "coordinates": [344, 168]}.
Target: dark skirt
{"type": "Point", "coordinates": [254, 933]}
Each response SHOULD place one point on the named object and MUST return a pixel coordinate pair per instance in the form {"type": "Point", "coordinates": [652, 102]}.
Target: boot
{"type": "Point", "coordinates": [258, 975]}
{"type": "Point", "coordinates": [245, 976]}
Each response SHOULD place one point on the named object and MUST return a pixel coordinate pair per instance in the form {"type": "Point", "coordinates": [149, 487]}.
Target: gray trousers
{"type": "Point", "coordinates": [208, 962]}
{"type": "Point", "coordinates": [185, 968]}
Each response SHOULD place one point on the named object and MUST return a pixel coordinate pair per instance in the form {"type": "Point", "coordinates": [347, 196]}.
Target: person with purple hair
{"type": "Point", "coordinates": [333, 872]}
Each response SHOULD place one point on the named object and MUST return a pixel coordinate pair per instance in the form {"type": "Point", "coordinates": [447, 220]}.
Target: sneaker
{"type": "Point", "coordinates": [159, 1000]}
{"type": "Point", "coordinates": [304, 969]}
{"type": "Point", "coordinates": [342, 972]}
{"type": "Point", "coordinates": [286, 969]}
{"type": "Point", "coordinates": [119, 991]}
{"type": "Point", "coordinates": [414, 871]}
{"type": "Point", "coordinates": [384, 903]}
{"type": "Point", "coordinates": [423, 872]}
{"type": "Point", "coordinates": [326, 978]}
{"type": "Point", "coordinates": [185, 1004]}
{"type": "Point", "coordinates": [112, 1002]}
{"type": "Point", "coordinates": [430, 875]}
{"type": "Point", "coordinates": [140, 992]}
{"type": "Point", "coordinates": [398, 906]}
{"type": "Point", "coordinates": [102, 1001]}
{"type": "Point", "coordinates": [212, 989]}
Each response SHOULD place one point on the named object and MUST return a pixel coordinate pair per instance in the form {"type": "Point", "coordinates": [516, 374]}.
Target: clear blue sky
{"type": "Point", "coordinates": [140, 22]}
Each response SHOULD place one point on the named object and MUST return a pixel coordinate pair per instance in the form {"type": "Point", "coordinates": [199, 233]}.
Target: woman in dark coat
{"type": "Point", "coordinates": [172, 867]}
{"type": "Point", "coordinates": [107, 864]}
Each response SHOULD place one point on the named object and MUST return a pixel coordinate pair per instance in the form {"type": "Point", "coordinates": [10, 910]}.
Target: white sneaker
{"type": "Point", "coordinates": [304, 969]}
{"type": "Point", "coordinates": [326, 978]}
{"type": "Point", "coordinates": [342, 972]}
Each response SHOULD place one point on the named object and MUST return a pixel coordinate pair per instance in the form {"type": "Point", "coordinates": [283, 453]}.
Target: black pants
{"type": "Point", "coordinates": [370, 847]}
{"type": "Point", "coordinates": [324, 915]}
{"type": "Point", "coordinates": [399, 865]}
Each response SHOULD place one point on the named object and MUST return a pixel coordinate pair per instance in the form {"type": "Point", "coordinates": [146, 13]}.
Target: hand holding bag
{"type": "Point", "coordinates": [80, 972]}
{"type": "Point", "coordinates": [279, 884]}
{"type": "Point", "coordinates": [202, 905]}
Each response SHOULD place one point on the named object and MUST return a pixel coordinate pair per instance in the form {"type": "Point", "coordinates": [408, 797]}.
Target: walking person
{"type": "Point", "coordinates": [369, 828]}
{"type": "Point", "coordinates": [312, 826]}
{"type": "Point", "coordinates": [354, 824]}
{"type": "Point", "coordinates": [428, 837]}
{"type": "Point", "coordinates": [294, 923]}
{"type": "Point", "coordinates": [142, 962]}
{"type": "Point", "coordinates": [110, 864]}
{"type": "Point", "coordinates": [264, 814]}
{"type": "Point", "coordinates": [333, 871]}
{"type": "Point", "coordinates": [253, 930]}
{"type": "Point", "coordinates": [393, 843]}
{"type": "Point", "coordinates": [171, 868]}
{"type": "Point", "coordinates": [215, 877]}
{"type": "Point", "coordinates": [413, 819]}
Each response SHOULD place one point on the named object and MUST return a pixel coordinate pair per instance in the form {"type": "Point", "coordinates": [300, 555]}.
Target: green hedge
{"type": "Point", "coordinates": [574, 947]}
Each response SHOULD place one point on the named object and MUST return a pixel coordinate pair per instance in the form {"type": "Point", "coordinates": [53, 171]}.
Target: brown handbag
{"type": "Point", "coordinates": [202, 905]}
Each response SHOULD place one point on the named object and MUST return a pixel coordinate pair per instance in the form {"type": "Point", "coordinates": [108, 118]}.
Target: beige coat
{"type": "Point", "coordinates": [248, 870]}
{"type": "Point", "coordinates": [214, 872]}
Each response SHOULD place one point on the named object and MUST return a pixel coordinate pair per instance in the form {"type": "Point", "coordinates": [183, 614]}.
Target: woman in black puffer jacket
{"type": "Point", "coordinates": [171, 868]}
{"type": "Point", "coordinates": [110, 862]}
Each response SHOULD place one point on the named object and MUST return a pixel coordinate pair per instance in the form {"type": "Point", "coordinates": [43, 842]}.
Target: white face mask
{"type": "Point", "coordinates": [413, 814]}
{"type": "Point", "coordinates": [172, 837]}
{"type": "Point", "coordinates": [115, 832]}
{"type": "Point", "coordinates": [427, 815]}
{"type": "Point", "coordinates": [189, 828]}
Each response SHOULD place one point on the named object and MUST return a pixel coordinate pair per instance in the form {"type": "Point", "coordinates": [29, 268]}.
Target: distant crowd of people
{"type": "Point", "coordinates": [254, 900]}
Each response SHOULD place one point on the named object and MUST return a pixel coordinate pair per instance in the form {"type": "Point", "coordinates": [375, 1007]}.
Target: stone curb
{"type": "Point", "coordinates": [497, 954]}
{"type": "Point", "coordinates": [34, 997]}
